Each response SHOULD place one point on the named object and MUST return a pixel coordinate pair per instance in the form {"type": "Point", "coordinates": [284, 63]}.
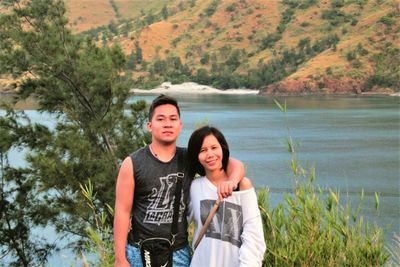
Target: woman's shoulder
{"type": "Point", "coordinates": [245, 184]}
{"type": "Point", "coordinates": [198, 180]}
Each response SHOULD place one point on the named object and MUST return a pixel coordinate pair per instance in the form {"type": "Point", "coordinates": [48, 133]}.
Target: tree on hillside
{"type": "Point", "coordinates": [80, 87]}
{"type": "Point", "coordinates": [387, 69]}
{"type": "Point", "coordinates": [164, 13]}
{"type": "Point", "coordinates": [139, 53]}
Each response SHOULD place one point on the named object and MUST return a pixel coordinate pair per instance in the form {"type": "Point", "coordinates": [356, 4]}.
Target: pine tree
{"type": "Point", "coordinates": [80, 86]}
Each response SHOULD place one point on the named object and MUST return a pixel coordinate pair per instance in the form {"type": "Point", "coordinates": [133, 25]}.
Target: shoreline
{"type": "Point", "coordinates": [305, 94]}
{"type": "Point", "coordinates": [192, 88]}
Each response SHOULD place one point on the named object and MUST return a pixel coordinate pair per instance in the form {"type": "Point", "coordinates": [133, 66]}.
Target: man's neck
{"type": "Point", "coordinates": [162, 151]}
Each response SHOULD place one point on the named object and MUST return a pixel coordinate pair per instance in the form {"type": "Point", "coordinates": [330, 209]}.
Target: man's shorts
{"type": "Point", "coordinates": [181, 257]}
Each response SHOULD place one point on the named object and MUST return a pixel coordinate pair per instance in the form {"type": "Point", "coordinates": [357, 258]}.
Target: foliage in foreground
{"type": "Point", "coordinates": [85, 130]}
{"type": "Point", "coordinates": [312, 227]}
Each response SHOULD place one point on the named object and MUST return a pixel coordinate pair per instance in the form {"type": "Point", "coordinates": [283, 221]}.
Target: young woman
{"type": "Point", "coordinates": [235, 235]}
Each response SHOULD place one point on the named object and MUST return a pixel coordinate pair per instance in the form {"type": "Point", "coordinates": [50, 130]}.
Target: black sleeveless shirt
{"type": "Point", "coordinates": [153, 201]}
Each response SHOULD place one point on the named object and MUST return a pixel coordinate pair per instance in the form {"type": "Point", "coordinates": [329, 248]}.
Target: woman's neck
{"type": "Point", "coordinates": [216, 176]}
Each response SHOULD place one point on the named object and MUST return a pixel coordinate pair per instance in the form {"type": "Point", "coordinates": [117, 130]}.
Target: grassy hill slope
{"type": "Point", "coordinates": [280, 46]}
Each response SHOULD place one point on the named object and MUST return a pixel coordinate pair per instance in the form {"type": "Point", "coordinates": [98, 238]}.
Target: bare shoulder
{"type": "Point", "coordinates": [126, 168]}
{"type": "Point", "coordinates": [245, 184]}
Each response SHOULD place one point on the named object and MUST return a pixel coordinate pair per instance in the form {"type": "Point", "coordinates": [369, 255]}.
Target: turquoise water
{"type": "Point", "coordinates": [353, 142]}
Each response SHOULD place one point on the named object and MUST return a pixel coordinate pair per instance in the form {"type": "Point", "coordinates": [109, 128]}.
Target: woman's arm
{"type": "Point", "coordinates": [253, 247]}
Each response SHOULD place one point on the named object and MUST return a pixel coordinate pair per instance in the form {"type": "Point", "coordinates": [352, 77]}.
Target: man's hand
{"type": "Point", "coordinates": [225, 189]}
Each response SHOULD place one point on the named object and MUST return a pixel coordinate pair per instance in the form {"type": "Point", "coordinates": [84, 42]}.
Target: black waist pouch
{"type": "Point", "coordinates": [156, 252]}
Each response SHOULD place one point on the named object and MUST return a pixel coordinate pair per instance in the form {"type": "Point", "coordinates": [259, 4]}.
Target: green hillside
{"type": "Point", "coordinates": [289, 46]}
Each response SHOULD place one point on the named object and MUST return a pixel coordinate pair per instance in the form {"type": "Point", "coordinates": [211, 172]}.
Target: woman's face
{"type": "Point", "coordinates": [210, 155]}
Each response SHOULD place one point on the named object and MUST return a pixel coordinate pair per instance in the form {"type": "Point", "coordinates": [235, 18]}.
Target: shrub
{"type": "Point", "coordinates": [205, 59]}
{"type": "Point", "coordinates": [270, 40]}
{"type": "Point", "coordinates": [305, 24]}
{"type": "Point", "coordinates": [354, 22]}
{"type": "Point", "coordinates": [351, 55]}
{"type": "Point", "coordinates": [356, 64]}
{"type": "Point", "coordinates": [388, 21]}
{"type": "Point", "coordinates": [210, 10]}
{"type": "Point", "coordinates": [231, 8]}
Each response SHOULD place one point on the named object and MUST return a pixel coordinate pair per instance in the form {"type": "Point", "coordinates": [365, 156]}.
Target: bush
{"type": "Point", "coordinates": [231, 8]}
{"type": "Point", "coordinates": [388, 21]}
{"type": "Point", "coordinates": [305, 24]}
{"type": "Point", "coordinates": [302, 4]}
{"type": "Point", "coordinates": [210, 10]}
{"type": "Point", "coordinates": [270, 40]}
{"type": "Point", "coordinates": [351, 55]}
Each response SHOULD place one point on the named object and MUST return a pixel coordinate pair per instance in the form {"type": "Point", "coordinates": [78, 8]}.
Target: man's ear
{"type": "Point", "coordinates": [149, 125]}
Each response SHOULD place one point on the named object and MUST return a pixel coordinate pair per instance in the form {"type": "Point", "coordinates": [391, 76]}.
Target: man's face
{"type": "Point", "coordinates": [165, 125]}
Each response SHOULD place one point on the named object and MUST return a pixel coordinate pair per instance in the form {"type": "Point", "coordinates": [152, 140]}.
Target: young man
{"type": "Point", "coordinates": [146, 186]}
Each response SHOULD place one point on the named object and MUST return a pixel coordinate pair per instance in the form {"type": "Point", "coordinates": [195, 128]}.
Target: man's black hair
{"type": "Point", "coordinates": [163, 100]}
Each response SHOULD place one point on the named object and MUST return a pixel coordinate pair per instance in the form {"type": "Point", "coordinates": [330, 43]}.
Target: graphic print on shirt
{"type": "Point", "coordinates": [161, 208]}
{"type": "Point", "coordinates": [226, 224]}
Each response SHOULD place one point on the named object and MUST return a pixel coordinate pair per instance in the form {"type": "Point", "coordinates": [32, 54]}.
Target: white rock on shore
{"type": "Point", "coordinates": [192, 88]}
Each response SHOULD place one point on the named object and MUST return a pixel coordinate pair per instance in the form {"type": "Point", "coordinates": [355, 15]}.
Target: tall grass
{"type": "Point", "coordinates": [100, 237]}
{"type": "Point", "coordinates": [313, 227]}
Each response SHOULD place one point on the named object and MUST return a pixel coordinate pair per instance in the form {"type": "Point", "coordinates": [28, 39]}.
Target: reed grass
{"type": "Point", "coordinates": [315, 227]}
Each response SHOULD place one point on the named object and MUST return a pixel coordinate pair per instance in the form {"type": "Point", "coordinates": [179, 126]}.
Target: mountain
{"type": "Point", "coordinates": [280, 46]}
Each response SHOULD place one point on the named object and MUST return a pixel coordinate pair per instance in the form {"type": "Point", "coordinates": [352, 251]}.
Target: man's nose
{"type": "Point", "coordinates": [168, 123]}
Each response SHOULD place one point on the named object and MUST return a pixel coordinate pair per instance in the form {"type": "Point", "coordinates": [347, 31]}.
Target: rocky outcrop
{"type": "Point", "coordinates": [7, 87]}
{"type": "Point", "coordinates": [324, 85]}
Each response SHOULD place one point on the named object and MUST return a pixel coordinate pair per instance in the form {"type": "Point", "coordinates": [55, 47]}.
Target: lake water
{"type": "Point", "coordinates": [352, 141]}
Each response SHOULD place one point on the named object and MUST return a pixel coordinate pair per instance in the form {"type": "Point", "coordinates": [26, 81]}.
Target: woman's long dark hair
{"type": "Point", "coordinates": [194, 146]}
